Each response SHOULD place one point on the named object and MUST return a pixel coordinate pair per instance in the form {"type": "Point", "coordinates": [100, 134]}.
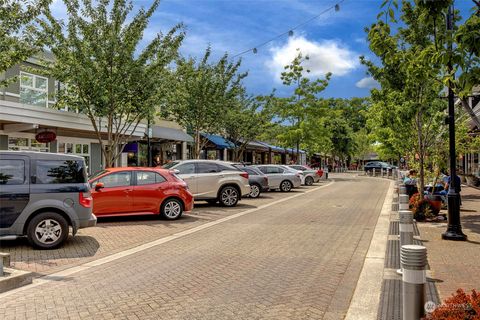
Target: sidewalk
{"type": "Point", "coordinates": [451, 265]}
{"type": "Point", "coordinates": [455, 264]}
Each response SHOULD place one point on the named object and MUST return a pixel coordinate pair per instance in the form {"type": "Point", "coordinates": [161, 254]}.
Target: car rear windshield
{"type": "Point", "coordinates": [60, 171]}
{"type": "Point", "coordinates": [170, 164]}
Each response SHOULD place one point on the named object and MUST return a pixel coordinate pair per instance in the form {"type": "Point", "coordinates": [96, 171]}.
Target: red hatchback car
{"type": "Point", "coordinates": [139, 191]}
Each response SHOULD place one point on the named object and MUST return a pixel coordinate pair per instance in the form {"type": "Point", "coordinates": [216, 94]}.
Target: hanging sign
{"type": "Point", "coordinates": [46, 136]}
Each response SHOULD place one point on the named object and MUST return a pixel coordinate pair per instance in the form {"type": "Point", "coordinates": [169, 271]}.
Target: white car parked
{"type": "Point", "coordinates": [212, 180]}
{"type": "Point", "coordinates": [281, 177]}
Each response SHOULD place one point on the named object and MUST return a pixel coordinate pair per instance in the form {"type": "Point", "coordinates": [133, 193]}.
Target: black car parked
{"type": "Point", "coordinates": [42, 195]}
{"type": "Point", "coordinates": [378, 165]}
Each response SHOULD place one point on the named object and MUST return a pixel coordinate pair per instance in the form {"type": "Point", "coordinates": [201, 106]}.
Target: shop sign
{"type": "Point", "coordinates": [46, 136]}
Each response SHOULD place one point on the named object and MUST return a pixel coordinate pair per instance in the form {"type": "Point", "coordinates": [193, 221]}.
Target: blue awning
{"type": "Point", "coordinates": [219, 141]}
{"type": "Point", "coordinates": [274, 148]}
{"type": "Point", "coordinates": [290, 150]}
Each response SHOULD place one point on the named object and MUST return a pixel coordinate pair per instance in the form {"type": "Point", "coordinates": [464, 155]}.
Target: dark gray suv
{"type": "Point", "coordinates": [42, 195]}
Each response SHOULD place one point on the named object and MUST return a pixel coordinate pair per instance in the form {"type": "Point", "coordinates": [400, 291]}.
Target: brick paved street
{"type": "Point", "coordinates": [298, 259]}
{"type": "Point", "coordinates": [117, 234]}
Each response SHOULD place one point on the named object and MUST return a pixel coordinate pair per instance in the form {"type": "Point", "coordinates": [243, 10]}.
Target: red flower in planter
{"type": "Point", "coordinates": [460, 306]}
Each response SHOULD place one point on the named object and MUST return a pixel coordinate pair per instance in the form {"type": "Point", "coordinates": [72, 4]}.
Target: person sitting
{"type": "Point", "coordinates": [410, 182]}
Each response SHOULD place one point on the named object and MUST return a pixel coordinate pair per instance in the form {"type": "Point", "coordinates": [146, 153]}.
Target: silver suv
{"type": "Point", "coordinates": [212, 180]}
{"type": "Point", "coordinates": [42, 195]}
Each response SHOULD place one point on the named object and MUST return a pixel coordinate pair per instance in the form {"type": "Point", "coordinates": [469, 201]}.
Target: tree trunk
{"type": "Point", "coordinates": [197, 145]}
{"type": "Point", "coordinates": [298, 152]}
{"type": "Point", "coordinates": [421, 151]}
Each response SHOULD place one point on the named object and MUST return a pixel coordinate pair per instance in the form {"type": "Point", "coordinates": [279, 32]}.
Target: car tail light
{"type": "Point", "coordinates": [244, 174]}
{"type": "Point", "coordinates": [320, 172]}
{"type": "Point", "coordinates": [299, 175]}
{"type": "Point", "coordinates": [85, 199]}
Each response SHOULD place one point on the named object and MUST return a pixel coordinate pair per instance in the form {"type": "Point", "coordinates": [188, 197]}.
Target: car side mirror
{"type": "Point", "coordinates": [176, 171]}
{"type": "Point", "coordinates": [99, 186]}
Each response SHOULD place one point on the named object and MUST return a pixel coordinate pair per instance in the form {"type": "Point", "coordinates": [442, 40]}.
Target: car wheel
{"type": "Point", "coordinates": [229, 196]}
{"type": "Point", "coordinates": [47, 230]}
{"type": "Point", "coordinates": [254, 191]}
{"type": "Point", "coordinates": [286, 186]}
{"type": "Point", "coordinates": [308, 181]}
{"type": "Point", "coordinates": [171, 209]}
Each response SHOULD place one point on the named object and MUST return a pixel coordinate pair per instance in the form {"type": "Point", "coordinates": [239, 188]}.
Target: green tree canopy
{"type": "Point", "coordinates": [19, 39]}
{"type": "Point", "coordinates": [105, 72]}
{"type": "Point", "coordinates": [203, 93]}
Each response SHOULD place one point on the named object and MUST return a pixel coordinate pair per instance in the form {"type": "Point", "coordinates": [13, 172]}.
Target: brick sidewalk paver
{"type": "Point", "coordinates": [456, 264]}
{"type": "Point", "coordinates": [299, 259]}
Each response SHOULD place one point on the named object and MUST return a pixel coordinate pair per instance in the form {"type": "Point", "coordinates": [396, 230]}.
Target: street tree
{"type": "Point", "coordinates": [19, 37]}
{"type": "Point", "coordinates": [292, 110]}
{"type": "Point", "coordinates": [245, 120]}
{"type": "Point", "coordinates": [203, 94]}
{"type": "Point", "coordinates": [106, 72]}
{"type": "Point", "coordinates": [461, 60]}
{"type": "Point", "coordinates": [410, 90]}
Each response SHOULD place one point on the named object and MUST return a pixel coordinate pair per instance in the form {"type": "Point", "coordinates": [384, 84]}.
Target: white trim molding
{"type": "Point", "coordinates": [22, 113]}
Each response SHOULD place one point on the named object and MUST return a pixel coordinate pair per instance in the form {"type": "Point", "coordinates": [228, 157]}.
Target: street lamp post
{"type": "Point", "coordinates": [454, 229]}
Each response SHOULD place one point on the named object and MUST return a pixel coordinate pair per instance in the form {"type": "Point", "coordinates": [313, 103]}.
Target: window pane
{"type": "Point", "coordinates": [85, 148]}
{"type": "Point", "coordinates": [159, 178]}
{"type": "Point", "coordinates": [12, 171]}
{"type": "Point", "coordinates": [69, 148]}
{"type": "Point", "coordinates": [205, 167]}
{"type": "Point", "coordinates": [170, 164]}
{"type": "Point", "coordinates": [145, 177]}
{"type": "Point", "coordinates": [78, 148]}
{"type": "Point", "coordinates": [186, 168]}
{"type": "Point", "coordinates": [61, 147]}
{"type": "Point", "coordinates": [38, 145]}
{"type": "Point", "coordinates": [33, 97]}
{"type": "Point", "coordinates": [263, 169]}
{"type": "Point", "coordinates": [26, 80]}
{"type": "Point", "coordinates": [54, 171]}
{"type": "Point", "coordinates": [40, 83]}
{"type": "Point", "coordinates": [117, 179]}
{"type": "Point", "coordinates": [14, 143]}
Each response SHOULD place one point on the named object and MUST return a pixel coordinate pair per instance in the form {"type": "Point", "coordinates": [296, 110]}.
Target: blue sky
{"type": "Point", "coordinates": [334, 41]}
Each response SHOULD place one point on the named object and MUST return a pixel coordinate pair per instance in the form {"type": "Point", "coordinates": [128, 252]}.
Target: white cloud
{"type": "Point", "coordinates": [367, 82]}
{"type": "Point", "coordinates": [324, 56]}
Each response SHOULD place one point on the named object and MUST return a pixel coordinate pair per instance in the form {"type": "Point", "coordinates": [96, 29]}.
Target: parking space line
{"type": "Point", "coordinates": [95, 263]}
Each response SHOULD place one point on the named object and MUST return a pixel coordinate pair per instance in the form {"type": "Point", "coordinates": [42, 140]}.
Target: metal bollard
{"type": "Point", "coordinates": [1, 267]}
{"type": "Point", "coordinates": [413, 259]}
{"type": "Point", "coordinates": [403, 202]}
{"type": "Point", "coordinates": [406, 227]}
{"type": "Point", "coordinates": [402, 189]}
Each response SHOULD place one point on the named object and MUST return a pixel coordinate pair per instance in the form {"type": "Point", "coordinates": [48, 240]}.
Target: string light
{"type": "Point", "coordinates": [335, 7]}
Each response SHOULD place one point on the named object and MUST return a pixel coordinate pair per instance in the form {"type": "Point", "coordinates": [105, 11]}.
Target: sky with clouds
{"type": "Point", "coordinates": [334, 41]}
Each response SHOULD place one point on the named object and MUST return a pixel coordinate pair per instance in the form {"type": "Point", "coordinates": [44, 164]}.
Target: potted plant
{"type": "Point", "coordinates": [421, 207]}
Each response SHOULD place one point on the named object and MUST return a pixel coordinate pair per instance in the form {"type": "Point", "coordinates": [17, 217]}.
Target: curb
{"type": "Point", "coordinates": [14, 279]}
{"type": "Point", "coordinates": [366, 298]}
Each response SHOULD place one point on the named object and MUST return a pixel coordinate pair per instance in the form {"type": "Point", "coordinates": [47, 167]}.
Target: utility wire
{"type": "Point", "coordinates": [290, 31]}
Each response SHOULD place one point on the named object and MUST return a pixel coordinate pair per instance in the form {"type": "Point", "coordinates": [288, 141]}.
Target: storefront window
{"type": "Point", "coordinates": [33, 89]}
{"type": "Point", "coordinates": [212, 154]}
{"type": "Point", "coordinates": [17, 143]}
{"type": "Point", "coordinates": [81, 149]}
